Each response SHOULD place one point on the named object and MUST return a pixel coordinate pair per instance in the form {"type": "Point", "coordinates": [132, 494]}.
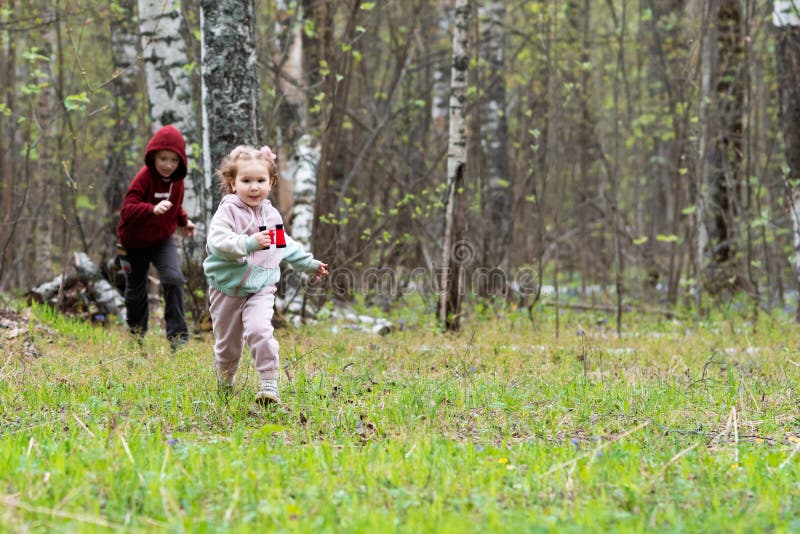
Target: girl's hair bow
{"type": "Point", "coordinates": [268, 151]}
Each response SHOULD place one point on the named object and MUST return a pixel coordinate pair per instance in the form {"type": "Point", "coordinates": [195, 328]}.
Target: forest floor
{"type": "Point", "coordinates": [503, 427]}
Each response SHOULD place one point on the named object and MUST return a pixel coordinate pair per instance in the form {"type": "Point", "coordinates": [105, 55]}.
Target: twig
{"type": "Point", "coordinates": [86, 428]}
{"type": "Point", "coordinates": [675, 458]}
{"type": "Point", "coordinates": [130, 456]}
{"type": "Point", "coordinates": [786, 461]}
{"type": "Point", "coordinates": [232, 506]}
{"type": "Point", "coordinates": [735, 433]}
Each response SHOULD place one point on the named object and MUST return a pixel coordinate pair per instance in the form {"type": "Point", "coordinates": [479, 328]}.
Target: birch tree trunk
{"type": "Point", "coordinates": [230, 84]}
{"type": "Point", "coordinates": [451, 283]}
{"type": "Point", "coordinates": [169, 85]}
{"type": "Point", "coordinates": [786, 19]}
{"type": "Point", "coordinates": [298, 152]}
{"type": "Point", "coordinates": [497, 184]}
{"type": "Point", "coordinates": [44, 206]}
{"type": "Point", "coordinates": [439, 102]}
{"type": "Point", "coordinates": [707, 66]}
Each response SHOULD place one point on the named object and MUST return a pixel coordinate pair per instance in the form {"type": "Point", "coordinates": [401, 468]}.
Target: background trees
{"type": "Point", "coordinates": [638, 146]}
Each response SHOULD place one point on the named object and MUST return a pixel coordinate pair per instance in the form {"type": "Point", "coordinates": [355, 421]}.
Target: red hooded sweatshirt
{"type": "Point", "coordinates": [138, 226]}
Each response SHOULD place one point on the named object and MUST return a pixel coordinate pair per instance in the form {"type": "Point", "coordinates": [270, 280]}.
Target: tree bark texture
{"type": "Point", "coordinates": [124, 153]}
{"type": "Point", "coordinates": [787, 49]}
{"type": "Point", "coordinates": [8, 146]}
{"type": "Point", "coordinates": [165, 58]}
{"type": "Point", "coordinates": [230, 85]}
{"type": "Point", "coordinates": [169, 85]}
{"type": "Point", "coordinates": [496, 184]}
{"type": "Point", "coordinates": [451, 276]}
{"type": "Point", "coordinates": [723, 157]}
{"type": "Point", "coordinates": [290, 76]}
{"type": "Point", "coordinates": [298, 152]}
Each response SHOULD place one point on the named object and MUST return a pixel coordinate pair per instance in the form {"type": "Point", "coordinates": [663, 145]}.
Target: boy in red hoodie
{"type": "Point", "coordinates": [151, 211]}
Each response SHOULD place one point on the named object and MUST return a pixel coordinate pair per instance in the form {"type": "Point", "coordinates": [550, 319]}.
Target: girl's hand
{"type": "Point", "coordinates": [322, 272]}
{"type": "Point", "coordinates": [162, 207]}
{"type": "Point", "coordinates": [263, 239]}
{"type": "Point", "coordinates": [188, 230]}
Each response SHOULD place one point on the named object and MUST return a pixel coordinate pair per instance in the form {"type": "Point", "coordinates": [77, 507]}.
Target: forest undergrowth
{"type": "Point", "coordinates": [503, 427]}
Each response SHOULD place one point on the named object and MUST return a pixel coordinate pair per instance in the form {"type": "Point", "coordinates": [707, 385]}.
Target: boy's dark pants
{"type": "Point", "coordinates": [164, 257]}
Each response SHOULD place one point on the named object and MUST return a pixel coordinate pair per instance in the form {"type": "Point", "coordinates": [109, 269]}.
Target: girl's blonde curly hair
{"type": "Point", "coordinates": [230, 165]}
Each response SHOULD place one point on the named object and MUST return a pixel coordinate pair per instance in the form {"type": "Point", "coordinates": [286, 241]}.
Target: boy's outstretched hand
{"type": "Point", "coordinates": [322, 272]}
{"type": "Point", "coordinates": [162, 207]}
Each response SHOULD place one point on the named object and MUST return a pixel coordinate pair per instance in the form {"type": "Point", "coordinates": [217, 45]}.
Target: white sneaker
{"type": "Point", "coordinates": [267, 393]}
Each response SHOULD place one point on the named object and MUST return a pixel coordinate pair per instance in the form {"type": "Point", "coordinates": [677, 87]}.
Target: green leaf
{"type": "Point", "coordinates": [32, 55]}
{"type": "Point", "coordinates": [308, 28]}
{"type": "Point", "coordinates": [32, 88]}
{"type": "Point", "coordinates": [76, 102]}
{"type": "Point", "coordinates": [670, 238]}
{"type": "Point", "coordinates": [689, 210]}
{"type": "Point", "coordinates": [83, 202]}
{"type": "Point", "coordinates": [367, 6]}
{"type": "Point", "coordinates": [640, 240]}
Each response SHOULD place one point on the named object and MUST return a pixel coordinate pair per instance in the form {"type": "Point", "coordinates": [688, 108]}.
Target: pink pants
{"type": "Point", "coordinates": [244, 319]}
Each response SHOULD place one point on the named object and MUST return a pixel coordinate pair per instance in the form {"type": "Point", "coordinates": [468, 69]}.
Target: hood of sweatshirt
{"type": "Point", "coordinates": [249, 218]}
{"type": "Point", "coordinates": [167, 138]}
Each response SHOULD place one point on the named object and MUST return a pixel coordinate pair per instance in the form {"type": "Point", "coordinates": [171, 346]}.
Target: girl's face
{"type": "Point", "coordinates": [165, 162]}
{"type": "Point", "coordinates": [252, 182]}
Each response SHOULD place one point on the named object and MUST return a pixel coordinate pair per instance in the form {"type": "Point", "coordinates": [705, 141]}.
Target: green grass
{"type": "Point", "coordinates": [501, 428]}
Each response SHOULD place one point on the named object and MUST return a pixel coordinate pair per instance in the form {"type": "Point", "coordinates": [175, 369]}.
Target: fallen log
{"type": "Point", "coordinates": [85, 293]}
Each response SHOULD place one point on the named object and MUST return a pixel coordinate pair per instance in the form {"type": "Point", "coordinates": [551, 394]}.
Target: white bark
{"type": "Point", "coordinates": [457, 148]}
{"type": "Point", "coordinates": [439, 104]}
{"type": "Point", "coordinates": [169, 84]}
{"type": "Point", "coordinates": [786, 13]}
{"type": "Point", "coordinates": [298, 152]}
{"type": "Point", "coordinates": [302, 171]}
{"type": "Point", "coordinates": [707, 67]}
{"type": "Point", "coordinates": [292, 76]}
